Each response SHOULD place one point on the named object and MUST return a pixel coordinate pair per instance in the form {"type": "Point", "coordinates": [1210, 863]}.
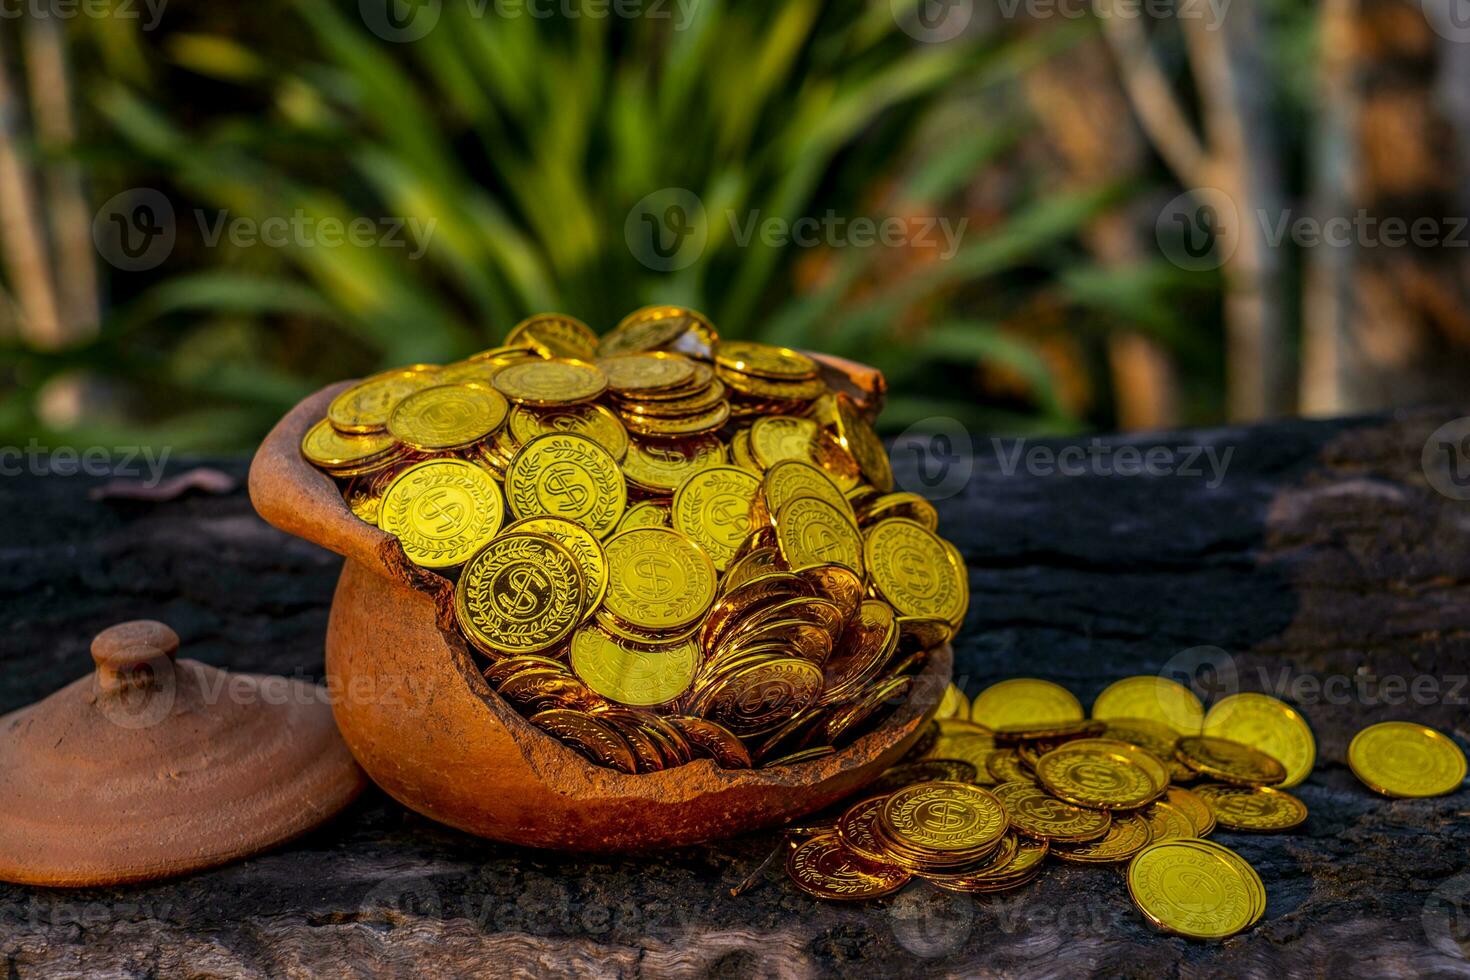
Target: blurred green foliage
{"type": "Point", "coordinates": [524, 143]}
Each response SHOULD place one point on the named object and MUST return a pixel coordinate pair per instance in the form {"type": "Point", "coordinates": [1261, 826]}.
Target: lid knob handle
{"type": "Point", "coordinates": [132, 654]}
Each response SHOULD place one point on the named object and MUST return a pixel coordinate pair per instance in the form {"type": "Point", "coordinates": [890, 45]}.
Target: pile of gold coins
{"type": "Point", "coordinates": [996, 787]}
{"type": "Point", "coordinates": [703, 555]}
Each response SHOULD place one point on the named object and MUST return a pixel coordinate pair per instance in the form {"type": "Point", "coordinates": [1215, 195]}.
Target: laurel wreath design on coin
{"type": "Point", "coordinates": [526, 617]}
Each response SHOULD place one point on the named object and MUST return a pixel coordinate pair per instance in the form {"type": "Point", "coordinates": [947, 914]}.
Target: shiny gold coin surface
{"type": "Point", "coordinates": [365, 406]}
{"type": "Point", "coordinates": [1004, 766]}
{"type": "Point", "coordinates": [1229, 761]}
{"type": "Point", "coordinates": [1398, 758]}
{"type": "Point", "coordinates": [822, 866]}
{"type": "Point", "coordinates": [811, 532]}
{"type": "Point", "coordinates": [634, 373]}
{"type": "Point", "coordinates": [324, 446]}
{"type": "Point", "coordinates": [1257, 808]}
{"type": "Point", "coordinates": [1189, 888]}
{"type": "Point", "coordinates": [923, 771]}
{"type": "Point", "coordinates": [556, 381]}
{"type": "Point", "coordinates": [621, 672]}
{"type": "Point", "coordinates": [776, 438]}
{"type": "Point", "coordinates": [660, 579]}
{"type": "Point", "coordinates": [1128, 834]}
{"type": "Point", "coordinates": [974, 748]}
{"type": "Point", "coordinates": [596, 739]}
{"type": "Point", "coordinates": [662, 466]}
{"type": "Point", "coordinates": [713, 740]}
{"type": "Point", "coordinates": [521, 593]}
{"type": "Point", "coordinates": [765, 360]}
{"type": "Point", "coordinates": [1168, 822]}
{"type": "Point", "coordinates": [585, 548]}
{"type": "Point", "coordinates": [567, 476]}
{"type": "Point", "coordinates": [908, 506]}
{"type": "Point", "coordinates": [1036, 813]}
{"type": "Point", "coordinates": [554, 335]}
{"type": "Point", "coordinates": [647, 513]}
{"type": "Point", "coordinates": [1153, 698]}
{"type": "Point", "coordinates": [442, 511]}
{"type": "Point", "coordinates": [857, 437]}
{"type": "Point", "coordinates": [856, 828]}
{"type": "Point", "coordinates": [1099, 775]}
{"type": "Point", "coordinates": [1024, 701]}
{"type": "Point", "coordinates": [447, 416]}
{"type": "Point", "coordinates": [911, 568]}
{"type": "Point", "coordinates": [1193, 807]}
{"type": "Point", "coordinates": [649, 328]}
{"type": "Point", "coordinates": [792, 478]}
{"type": "Point", "coordinates": [1018, 870]}
{"type": "Point", "coordinates": [712, 506]}
{"type": "Point", "coordinates": [1156, 737]}
{"type": "Point", "coordinates": [758, 693]}
{"type": "Point", "coordinates": [1272, 726]}
{"type": "Point", "coordinates": [593, 421]}
{"type": "Point", "coordinates": [954, 704]}
{"type": "Point", "coordinates": [944, 817]}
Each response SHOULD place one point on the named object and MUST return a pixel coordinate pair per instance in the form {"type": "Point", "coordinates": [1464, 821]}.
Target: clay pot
{"type": "Point", "coordinates": [430, 731]}
{"type": "Point", "coordinates": [153, 767]}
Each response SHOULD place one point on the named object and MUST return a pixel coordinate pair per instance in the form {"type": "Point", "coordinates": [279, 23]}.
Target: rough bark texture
{"type": "Point", "coordinates": [1323, 554]}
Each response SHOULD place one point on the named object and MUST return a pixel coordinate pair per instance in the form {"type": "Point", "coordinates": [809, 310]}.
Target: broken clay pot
{"type": "Point", "coordinates": [429, 730]}
{"type": "Point", "coordinates": [154, 767]}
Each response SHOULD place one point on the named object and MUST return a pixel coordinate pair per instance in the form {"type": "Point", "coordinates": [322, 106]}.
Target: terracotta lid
{"type": "Point", "coordinates": [153, 767]}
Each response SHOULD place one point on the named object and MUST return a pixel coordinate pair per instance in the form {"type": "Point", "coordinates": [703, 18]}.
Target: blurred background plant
{"type": "Point", "coordinates": [519, 145]}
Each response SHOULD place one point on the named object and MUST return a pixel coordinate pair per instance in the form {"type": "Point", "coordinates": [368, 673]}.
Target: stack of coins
{"type": "Point", "coordinates": [665, 547]}
{"type": "Point", "coordinates": [1143, 780]}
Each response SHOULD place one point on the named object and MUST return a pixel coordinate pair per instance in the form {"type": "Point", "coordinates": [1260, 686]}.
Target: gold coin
{"type": "Point", "coordinates": [1128, 834]}
{"type": "Point", "coordinates": [791, 478]}
{"type": "Point", "coordinates": [1036, 813]}
{"type": "Point", "coordinates": [712, 506]}
{"type": "Point", "coordinates": [447, 416]}
{"type": "Point", "coordinates": [1196, 809]}
{"type": "Point", "coordinates": [1190, 888]}
{"type": "Point", "coordinates": [822, 866]}
{"type": "Point", "coordinates": [811, 532]}
{"type": "Point", "coordinates": [324, 446]}
{"type": "Point", "coordinates": [1252, 807]}
{"type": "Point", "coordinates": [591, 736]}
{"type": "Point", "coordinates": [780, 437]}
{"type": "Point", "coordinates": [442, 511]}
{"type": "Point", "coordinates": [1229, 761]}
{"type": "Point", "coordinates": [631, 675]}
{"type": "Point", "coordinates": [954, 704]}
{"type": "Point", "coordinates": [661, 466]}
{"type": "Point", "coordinates": [1024, 701]}
{"type": "Point", "coordinates": [1102, 774]}
{"type": "Point", "coordinates": [648, 513]}
{"type": "Point", "coordinates": [856, 828]}
{"type": "Point", "coordinates": [659, 578]}
{"type": "Point", "coordinates": [740, 453]}
{"type": "Point", "coordinates": [1004, 766]}
{"type": "Point", "coordinates": [713, 740]}
{"type": "Point", "coordinates": [909, 506]}
{"type": "Point", "coordinates": [1159, 739]}
{"type": "Point", "coordinates": [1272, 726]}
{"type": "Point", "coordinates": [1154, 698]}
{"type": "Point", "coordinates": [1018, 870]}
{"type": "Point", "coordinates": [944, 817]}
{"type": "Point", "coordinates": [685, 426]}
{"type": "Point", "coordinates": [763, 396]}
{"type": "Point", "coordinates": [857, 437]}
{"type": "Point", "coordinates": [557, 381]}
{"type": "Point", "coordinates": [365, 406]}
{"type": "Point", "coordinates": [911, 568]}
{"type": "Point", "coordinates": [568, 476]}
{"type": "Point", "coordinates": [658, 328]}
{"type": "Point", "coordinates": [651, 372]}
{"type": "Point", "coordinates": [583, 545]}
{"type": "Point", "coordinates": [1168, 822]}
{"type": "Point", "coordinates": [521, 593]}
{"type": "Point", "coordinates": [765, 361]}
{"type": "Point", "coordinates": [800, 756]}
{"type": "Point", "coordinates": [593, 421]}
{"type": "Point", "coordinates": [972, 747]}
{"type": "Point", "coordinates": [923, 771]}
{"type": "Point", "coordinates": [1398, 758]}
{"type": "Point", "coordinates": [554, 335]}
{"type": "Point", "coordinates": [758, 693]}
